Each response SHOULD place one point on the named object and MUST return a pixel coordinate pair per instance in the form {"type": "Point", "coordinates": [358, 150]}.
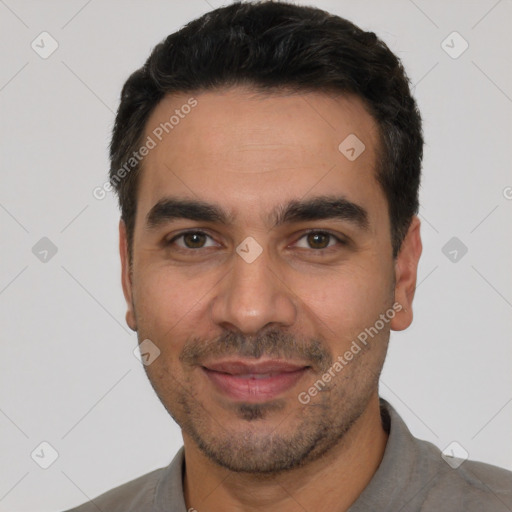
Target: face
{"type": "Point", "coordinates": [261, 258]}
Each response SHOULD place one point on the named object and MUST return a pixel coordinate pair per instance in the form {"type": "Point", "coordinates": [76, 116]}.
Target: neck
{"type": "Point", "coordinates": [332, 482]}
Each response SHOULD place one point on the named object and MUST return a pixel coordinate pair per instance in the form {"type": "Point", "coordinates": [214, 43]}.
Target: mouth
{"type": "Point", "coordinates": [254, 381]}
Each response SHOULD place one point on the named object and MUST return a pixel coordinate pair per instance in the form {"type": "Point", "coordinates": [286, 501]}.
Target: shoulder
{"type": "Point", "coordinates": [415, 475]}
{"type": "Point", "coordinates": [467, 485]}
{"type": "Point", "coordinates": [136, 495]}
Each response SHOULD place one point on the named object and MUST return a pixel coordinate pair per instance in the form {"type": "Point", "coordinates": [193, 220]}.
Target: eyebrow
{"type": "Point", "coordinates": [317, 208]}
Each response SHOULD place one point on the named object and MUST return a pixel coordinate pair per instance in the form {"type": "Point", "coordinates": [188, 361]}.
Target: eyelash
{"type": "Point", "coordinates": [199, 232]}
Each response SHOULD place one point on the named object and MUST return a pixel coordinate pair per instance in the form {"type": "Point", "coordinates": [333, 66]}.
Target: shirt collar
{"type": "Point", "coordinates": [396, 482]}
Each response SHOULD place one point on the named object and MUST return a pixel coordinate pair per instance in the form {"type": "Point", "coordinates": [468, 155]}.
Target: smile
{"type": "Point", "coordinates": [254, 382]}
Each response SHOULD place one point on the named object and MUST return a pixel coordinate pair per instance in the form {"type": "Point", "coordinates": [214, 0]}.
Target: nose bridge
{"type": "Point", "coordinates": [251, 295]}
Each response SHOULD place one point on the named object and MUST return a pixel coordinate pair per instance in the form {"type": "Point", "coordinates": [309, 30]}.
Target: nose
{"type": "Point", "coordinates": [253, 296]}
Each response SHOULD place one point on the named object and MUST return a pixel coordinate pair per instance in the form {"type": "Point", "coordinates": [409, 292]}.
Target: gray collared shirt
{"type": "Point", "coordinates": [412, 476]}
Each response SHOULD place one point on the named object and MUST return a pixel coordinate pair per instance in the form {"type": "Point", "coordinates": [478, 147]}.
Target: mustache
{"type": "Point", "coordinates": [275, 344]}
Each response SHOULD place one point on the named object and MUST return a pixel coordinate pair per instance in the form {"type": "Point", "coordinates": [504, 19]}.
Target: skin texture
{"type": "Point", "coordinates": [303, 299]}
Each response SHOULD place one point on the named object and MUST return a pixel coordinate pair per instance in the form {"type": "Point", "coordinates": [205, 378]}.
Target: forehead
{"type": "Point", "coordinates": [250, 151]}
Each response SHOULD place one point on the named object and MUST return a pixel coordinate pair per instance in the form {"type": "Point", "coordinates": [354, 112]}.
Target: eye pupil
{"type": "Point", "coordinates": [193, 237]}
{"type": "Point", "coordinates": [316, 238]}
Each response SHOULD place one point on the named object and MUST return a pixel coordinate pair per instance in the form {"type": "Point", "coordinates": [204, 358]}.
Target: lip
{"type": "Point", "coordinates": [254, 381]}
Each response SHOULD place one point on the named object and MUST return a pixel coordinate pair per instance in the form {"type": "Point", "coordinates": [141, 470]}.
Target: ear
{"type": "Point", "coordinates": [406, 267]}
{"type": "Point", "coordinates": [126, 278]}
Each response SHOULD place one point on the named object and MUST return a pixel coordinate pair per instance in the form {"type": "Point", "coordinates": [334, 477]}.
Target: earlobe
{"type": "Point", "coordinates": [126, 278]}
{"type": "Point", "coordinates": [406, 268]}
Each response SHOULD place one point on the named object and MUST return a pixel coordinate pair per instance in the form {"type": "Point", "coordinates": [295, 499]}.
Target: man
{"type": "Point", "coordinates": [267, 161]}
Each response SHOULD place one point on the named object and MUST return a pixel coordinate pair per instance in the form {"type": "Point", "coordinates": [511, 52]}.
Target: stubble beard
{"type": "Point", "coordinates": [267, 439]}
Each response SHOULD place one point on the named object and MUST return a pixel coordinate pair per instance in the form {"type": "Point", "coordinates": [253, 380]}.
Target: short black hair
{"type": "Point", "coordinates": [278, 46]}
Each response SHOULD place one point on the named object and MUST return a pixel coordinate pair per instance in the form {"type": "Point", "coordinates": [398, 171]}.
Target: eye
{"type": "Point", "coordinates": [191, 240]}
{"type": "Point", "coordinates": [319, 240]}
{"type": "Point", "coordinates": [315, 240]}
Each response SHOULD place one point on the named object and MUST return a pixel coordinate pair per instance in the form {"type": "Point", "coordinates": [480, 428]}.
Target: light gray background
{"type": "Point", "coordinates": [68, 373]}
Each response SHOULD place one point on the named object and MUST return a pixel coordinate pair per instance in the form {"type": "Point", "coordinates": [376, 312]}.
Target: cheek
{"type": "Point", "coordinates": [170, 304]}
{"type": "Point", "coordinates": [160, 301]}
{"type": "Point", "coordinates": [345, 301]}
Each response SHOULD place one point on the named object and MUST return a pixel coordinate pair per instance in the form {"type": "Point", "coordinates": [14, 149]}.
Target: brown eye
{"type": "Point", "coordinates": [194, 240]}
{"type": "Point", "coordinates": [191, 240]}
{"type": "Point", "coordinates": [319, 240]}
